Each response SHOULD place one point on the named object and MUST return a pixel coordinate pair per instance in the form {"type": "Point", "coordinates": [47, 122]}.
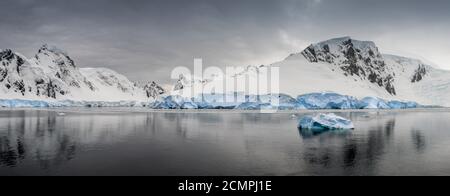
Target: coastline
{"type": "Point", "coordinates": [212, 111]}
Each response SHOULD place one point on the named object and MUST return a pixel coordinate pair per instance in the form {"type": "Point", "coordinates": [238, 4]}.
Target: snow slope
{"type": "Point", "coordinates": [338, 73]}
{"type": "Point", "coordinates": [390, 77]}
{"type": "Point", "coordinates": [52, 75]}
{"type": "Point", "coordinates": [362, 72]}
{"type": "Point", "coordinates": [357, 68]}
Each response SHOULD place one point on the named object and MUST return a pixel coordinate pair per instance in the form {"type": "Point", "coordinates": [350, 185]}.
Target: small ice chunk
{"type": "Point", "coordinates": [61, 114]}
{"type": "Point", "coordinates": [325, 122]}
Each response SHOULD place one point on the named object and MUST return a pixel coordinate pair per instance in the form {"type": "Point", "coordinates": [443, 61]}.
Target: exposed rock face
{"type": "Point", "coordinates": [51, 73]}
{"type": "Point", "coordinates": [10, 71]}
{"type": "Point", "coordinates": [62, 66]}
{"type": "Point", "coordinates": [355, 58]}
{"type": "Point", "coordinates": [419, 74]}
{"type": "Point", "coordinates": [181, 83]}
{"type": "Point", "coordinates": [27, 78]}
{"type": "Point", "coordinates": [153, 90]}
{"type": "Point", "coordinates": [347, 67]}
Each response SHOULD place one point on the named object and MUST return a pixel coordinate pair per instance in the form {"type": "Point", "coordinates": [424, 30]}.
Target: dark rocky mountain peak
{"type": "Point", "coordinates": [355, 58]}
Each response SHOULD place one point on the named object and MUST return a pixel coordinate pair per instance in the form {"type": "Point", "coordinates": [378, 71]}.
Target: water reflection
{"type": "Point", "coordinates": [52, 140]}
{"type": "Point", "coordinates": [418, 139]}
{"type": "Point", "coordinates": [355, 151]}
{"type": "Point", "coordinates": [217, 144]}
{"type": "Point", "coordinates": [9, 155]}
{"type": "Point", "coordinates": [21, 137]}
{"type": "Point", "coordinates": [308, 133]}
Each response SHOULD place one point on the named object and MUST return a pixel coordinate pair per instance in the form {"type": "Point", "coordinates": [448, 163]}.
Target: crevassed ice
{"type": "Point", "coordinates": [312, 101]}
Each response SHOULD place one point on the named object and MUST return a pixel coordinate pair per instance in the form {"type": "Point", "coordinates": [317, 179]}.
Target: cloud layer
{"type": "Point", "coordinates": [145, 39]}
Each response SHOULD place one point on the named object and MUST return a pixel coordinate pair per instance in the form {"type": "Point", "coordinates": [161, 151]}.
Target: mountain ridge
{"type": "Point", "coordinates": [342, 65]}
{"type": "Point", "coordinates": [52, 74]}
{"type": "Point", "coordinates": [362, 64]}
{"type": "Point", "coordinates": [355, 68]}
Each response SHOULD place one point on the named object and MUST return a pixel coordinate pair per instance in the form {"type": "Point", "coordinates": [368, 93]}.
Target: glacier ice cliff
{"type": "Point", "coordinates": [313, 101]}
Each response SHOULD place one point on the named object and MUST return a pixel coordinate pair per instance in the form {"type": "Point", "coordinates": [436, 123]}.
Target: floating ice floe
{"type": "Point", "coordinates": [325, 122]}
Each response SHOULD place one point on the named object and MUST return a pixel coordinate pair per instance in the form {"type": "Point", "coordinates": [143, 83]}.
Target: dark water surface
{"type": "Point", "coordinates": [34, 142]}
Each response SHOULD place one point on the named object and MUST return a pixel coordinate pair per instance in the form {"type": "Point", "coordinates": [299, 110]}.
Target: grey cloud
{"type": "Point", "coordinates": [145, 39]}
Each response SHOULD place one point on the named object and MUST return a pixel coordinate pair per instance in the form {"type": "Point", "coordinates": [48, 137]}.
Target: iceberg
{"type": "Point", "coordinates": [325, 122]}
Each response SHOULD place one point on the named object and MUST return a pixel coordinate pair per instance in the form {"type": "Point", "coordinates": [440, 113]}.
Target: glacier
{"type": "Point", "coordinates": [373, 103]}
{"type": "Point", "coordinates": [327, 101]}
{"type": "Point", "coordinates": [19, 103]}
{"type": "Point", "coordinates": [402, 105]}
{"type": "Point", "coordinates": [325, 122]}
{"type": "Point", "coordinates": [16, 103]}
{"type": "Point", "coordinates": [313, 101]}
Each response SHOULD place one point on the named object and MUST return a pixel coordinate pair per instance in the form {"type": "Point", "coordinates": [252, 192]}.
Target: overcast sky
{"type": "Point", "coordinates": [145, 39]}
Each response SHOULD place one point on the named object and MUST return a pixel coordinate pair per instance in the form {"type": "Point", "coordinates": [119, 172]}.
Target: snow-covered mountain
{"type": "Point", "coordinates": [360, 59]}
{"type": "Point", "coordinates": [355, 68]}
{"type": "Point", "coordinates": [358, 74]}
{"type": "Point", "coordinates": [52, 75]}
{"type": "Point", "coordinates": [152, 89]}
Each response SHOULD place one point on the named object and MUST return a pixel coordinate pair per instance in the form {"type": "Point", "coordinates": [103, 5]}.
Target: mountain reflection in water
{"type": "Point", "coordinates": [40, 142]}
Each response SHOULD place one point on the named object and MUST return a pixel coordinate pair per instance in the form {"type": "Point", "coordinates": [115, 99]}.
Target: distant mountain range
{"type": "Point", "coordinates": [357, 68]}
{"type": "Point", "coordinates": [342, 65]}
{"type": "Point", "coordinates": [52, 75]}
